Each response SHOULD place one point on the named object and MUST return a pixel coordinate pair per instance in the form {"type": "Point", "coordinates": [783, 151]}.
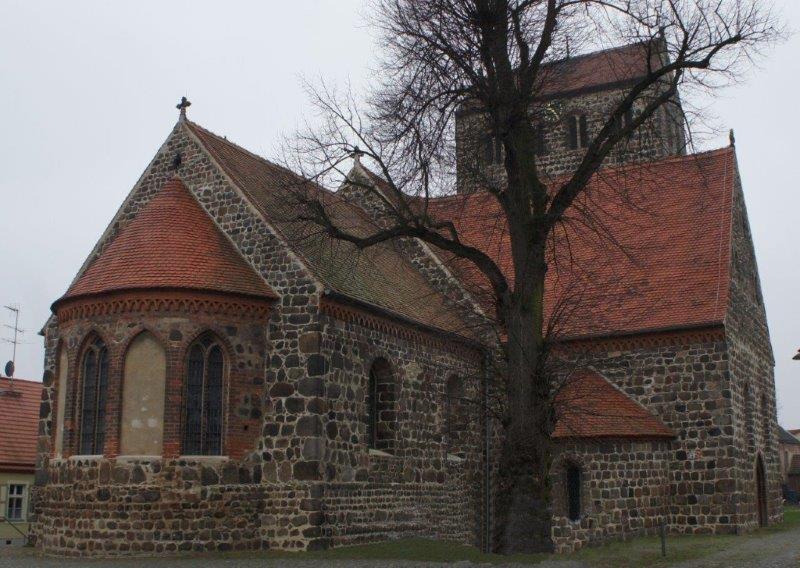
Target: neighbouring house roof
{"type": "Point", "coordinates": [171, 243]}
{"type": "Point", "coordinates": [599, 69]}
{"type": "Point", "coordinates": [795, 432]}
{"type": "Point", "coordinates": [377, 276]}
{"type": "Point", "coordinates": [19, 424]}
{"type": "Point", "coordinates": [646, 248]}
{"type": "Point", "coordinates": [785, 437]}
{"type": "Point", "coordinates": [588, 406]}
{"type": "Point", "coordinates": [794, 467]}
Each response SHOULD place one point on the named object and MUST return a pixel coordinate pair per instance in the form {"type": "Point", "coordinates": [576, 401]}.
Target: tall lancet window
{"type": "Point", "coordinates": [94, 379]}
{"type": "Point", "coordinates": [202, 433]}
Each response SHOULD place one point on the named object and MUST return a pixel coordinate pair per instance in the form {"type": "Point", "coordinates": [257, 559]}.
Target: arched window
{"type": "Point", "coordinates": [492, 150]}
{"type": "Point", "coordinates": [381, 396]}
{"type": "Point", "coordinates": [453, 413]}
{"type": "Point", "coordinates": [202, 432]}
{"type": "Point", "coordinates": [94, 380]}
{"type": "Point", "coordinates": [573, 485]}
{"type": "Point", "coordinates": [577, 131]}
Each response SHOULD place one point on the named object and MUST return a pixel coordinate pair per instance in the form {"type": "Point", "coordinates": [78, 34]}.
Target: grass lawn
{"type": "Point", "coordinates": [644, 551]}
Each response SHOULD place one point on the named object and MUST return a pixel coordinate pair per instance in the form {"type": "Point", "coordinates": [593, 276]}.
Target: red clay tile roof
{"type": "Point", "coordinates": [172, 243]}
{"type": "Point", "coordinates": [19, 424]}
{"type": "Point", "coordinates": [588, 406]}
{"type": "Point", "coordinates": [666, 268]}
{"type": "Point", "coordinates": [379, 275]}
{"type": "Point", "coordinates": [599, 69]}
{"type": "Point", "coordinates": [794, 467]}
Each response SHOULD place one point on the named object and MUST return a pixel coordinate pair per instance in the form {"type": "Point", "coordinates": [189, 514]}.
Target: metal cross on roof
{"type": "Point", "coordinates": [183, 105]}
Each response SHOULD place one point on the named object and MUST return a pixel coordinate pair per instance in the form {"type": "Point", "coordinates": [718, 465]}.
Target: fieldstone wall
{"type": "Point", "coordinates": [625, 491]}
{"type": "Point", "coordinates": [407, 491]}
{"type": "Point", "coordinates": [662, 136]}
{"type": "Point", "coordinates": [686, 379]}
{"type": "Point", "coordinates": [752, 375]}
{"type": "Point", "coordinates": [116, 507]}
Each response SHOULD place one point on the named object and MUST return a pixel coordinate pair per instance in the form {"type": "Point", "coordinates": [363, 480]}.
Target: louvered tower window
{"type": "Point", "coordinates": [94, 368]}
{"type": "Point", "coordinates": [577, 131]}
{"type": "Point", "coordinates": [202, 435]}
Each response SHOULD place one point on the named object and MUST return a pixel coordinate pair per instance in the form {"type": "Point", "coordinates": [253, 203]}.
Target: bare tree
{"type": "Point", "coordinates": [496, 57]}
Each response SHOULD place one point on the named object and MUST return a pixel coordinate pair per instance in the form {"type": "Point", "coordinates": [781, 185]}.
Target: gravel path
{"type": "Point", "coordinates": [780, 550]}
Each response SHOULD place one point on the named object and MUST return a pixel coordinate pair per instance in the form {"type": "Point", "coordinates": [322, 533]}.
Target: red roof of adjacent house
{"type": "Point", "coordinates": [794, 466]}
{"type": "Point", "coordinates": [19, 424]}
{"type": "Point", "coordinates": [588, 406]}
{"type": "Point", "coordinates": [646, 248]}
{"type": "Point", "coordinates": [172, 243]}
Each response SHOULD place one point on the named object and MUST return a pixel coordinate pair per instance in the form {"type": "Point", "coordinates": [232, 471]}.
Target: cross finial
{"type": "Point", "coordinates": [182, 106]}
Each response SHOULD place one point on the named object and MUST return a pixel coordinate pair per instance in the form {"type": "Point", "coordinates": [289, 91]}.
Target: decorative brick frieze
{"type": "Point", "coordinates": [158, 301]}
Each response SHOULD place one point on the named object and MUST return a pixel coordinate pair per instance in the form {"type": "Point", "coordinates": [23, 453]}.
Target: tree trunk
{"type": "Point", "coordinates": [523, 512]}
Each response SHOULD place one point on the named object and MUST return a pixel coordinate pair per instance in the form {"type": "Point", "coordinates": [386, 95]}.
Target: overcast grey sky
{"type": "Point", "coordinates": [88, 93]}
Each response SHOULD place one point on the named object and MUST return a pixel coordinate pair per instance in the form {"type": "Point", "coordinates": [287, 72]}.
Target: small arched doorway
{"type": "Point", "coordinates": [761, 492]}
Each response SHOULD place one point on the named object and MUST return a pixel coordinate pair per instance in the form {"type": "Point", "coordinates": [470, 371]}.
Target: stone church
{"type": "Point", "coordinates": [220, 376]}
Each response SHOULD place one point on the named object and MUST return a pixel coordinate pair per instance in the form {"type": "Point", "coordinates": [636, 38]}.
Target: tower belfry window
{"type": "Point", "coordinates": [577, 131]}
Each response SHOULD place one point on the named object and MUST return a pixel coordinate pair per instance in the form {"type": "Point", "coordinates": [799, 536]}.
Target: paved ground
{"type": "Point", "coordinates": [779, 550]}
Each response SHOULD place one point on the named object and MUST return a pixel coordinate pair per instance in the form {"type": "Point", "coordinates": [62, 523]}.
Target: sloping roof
{"type": "Point", "coordinates": [378, 276]}
{"type": "Point", "coordinates": [171, 243]}
{"type": "Point", "coordinates": [588, 406]}
{"type": "Point", "coordinates": [598, 69]}
{"type": "Point", "coordinates": [19, 424]}
{"type": "Point", "coordinates": [665, 265]}
{"type": "Point", "coordinates": [794, 467]}
{"type": "Point", "coordinates": [785, 437]}
{"type": "Point", "coordinates": [795, 432]}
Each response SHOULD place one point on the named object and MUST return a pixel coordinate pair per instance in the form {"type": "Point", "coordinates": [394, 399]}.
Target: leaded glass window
{"type": "Point", "coordinates": [94, 375]}
{"type": "Point", "coordinates": [205, 366]}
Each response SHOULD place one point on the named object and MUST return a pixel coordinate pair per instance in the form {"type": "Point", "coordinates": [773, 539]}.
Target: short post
{"type": "Point", "coordinates": [663, 532]}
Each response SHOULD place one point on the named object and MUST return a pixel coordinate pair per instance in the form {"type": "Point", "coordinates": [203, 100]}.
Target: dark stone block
{"type": "Point", "coordinates": [208, 476]}
{"type": "Point", "coordinates": [137, 474]}
{"type": "Point", "coordinates": [281, 390]}
{"type": "Point", "coordinates": [309, 426]}
{"type": "Point", "coordinates": [316, 365]}
{"type": "Point", "coordinates": [311, 386]}
{"type": "Point", "coordinates": [306, 470]}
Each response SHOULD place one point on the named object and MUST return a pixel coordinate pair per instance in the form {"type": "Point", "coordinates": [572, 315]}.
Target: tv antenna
{"type": "Point", "coordinates": [10, 366]}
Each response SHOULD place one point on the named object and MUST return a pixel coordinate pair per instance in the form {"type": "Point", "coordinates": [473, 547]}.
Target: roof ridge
{"type": "Point", "coordinates": [252, 154]}
{"type": "Point", "coordinates": [603, 51]}
{"type": "Point", "coordinates": [15, 379]}
{"type": "Point", "coordinates": [609, 170]}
